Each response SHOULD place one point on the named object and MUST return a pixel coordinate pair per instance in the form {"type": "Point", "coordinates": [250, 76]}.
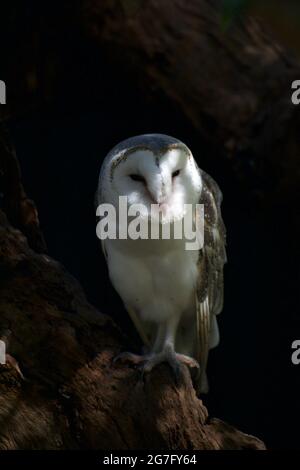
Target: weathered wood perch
{"type": "Point", "coordinates": [72, 396]}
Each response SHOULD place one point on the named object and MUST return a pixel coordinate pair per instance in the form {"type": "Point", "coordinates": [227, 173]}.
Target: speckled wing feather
{"type": "Point", "coordinates": [210, 285]}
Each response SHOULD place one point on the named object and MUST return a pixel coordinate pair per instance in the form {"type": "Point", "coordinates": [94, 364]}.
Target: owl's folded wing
{"type": "Point", "coordinates": [212, 257]}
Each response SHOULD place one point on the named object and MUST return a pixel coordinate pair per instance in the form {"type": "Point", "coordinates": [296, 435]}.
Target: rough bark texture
{"type": "Point", "coordinates": [20, 210]}
{"type": "Point", "coordinates": [72, 396]}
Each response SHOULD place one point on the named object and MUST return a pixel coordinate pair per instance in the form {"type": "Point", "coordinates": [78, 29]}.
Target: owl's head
{"type": "Point", "coordinates": [151, 169]}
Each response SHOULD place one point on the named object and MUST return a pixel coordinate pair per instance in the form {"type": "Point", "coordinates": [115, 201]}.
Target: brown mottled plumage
{"type": "Point", "coordinates": [210, 285]}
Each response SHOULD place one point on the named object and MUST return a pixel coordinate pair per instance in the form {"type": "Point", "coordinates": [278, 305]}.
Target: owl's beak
{"type": "Point", "coordinates": [159, 200]}
{"type": "Point", "coordinates": [158, 190]}
{"type": "Point", "coordinates": [151, 196]}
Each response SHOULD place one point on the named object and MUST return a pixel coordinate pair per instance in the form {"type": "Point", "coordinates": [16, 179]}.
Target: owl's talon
{"type": "Point", "coordinates": [190, 362]}
{"type": "Point", "coordinates": [146, 363]}
{"type": "Point", "coordinates": [167, 355]}
{"type": "Point", "coordinates": [175, 361]}
{"type": "Point", "coordinates": [192, 365]}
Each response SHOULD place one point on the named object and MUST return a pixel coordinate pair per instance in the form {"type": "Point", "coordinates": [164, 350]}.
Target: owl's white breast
{"type": "Point", "coordinates": [155, 277]}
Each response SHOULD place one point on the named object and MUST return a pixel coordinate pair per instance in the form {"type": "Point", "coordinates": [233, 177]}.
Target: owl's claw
{"type": "Point", "coordinates": [174, 360]}
{"type": "Point", "coordinates": [168, 355]}
{"type": "Point", "coordinates": [147, 362]}
{"type": "Point", "coordinates": [190, 362]}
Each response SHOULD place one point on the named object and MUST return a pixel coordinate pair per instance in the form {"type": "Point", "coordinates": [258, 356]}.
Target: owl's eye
{"type": "Point", "coordinates": [175, 173]}
{"type": "Point", "coordinates": [139, 178]}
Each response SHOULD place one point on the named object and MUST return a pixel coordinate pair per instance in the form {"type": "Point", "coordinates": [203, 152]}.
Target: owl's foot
{"type": "Point", "coordinates": [174, 360]}
{"type": "Point", "coordinates": [147, 362]}
{"type": "Point", "coordinates": [188, 361]}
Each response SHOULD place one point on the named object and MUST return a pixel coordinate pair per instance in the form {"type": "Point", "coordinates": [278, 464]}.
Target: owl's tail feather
{"type": "Point", "coordinates": [203, 336]}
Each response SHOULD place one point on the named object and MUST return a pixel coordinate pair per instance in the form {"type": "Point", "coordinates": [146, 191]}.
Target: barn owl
{"type": "Point", "coordinates": [172, 294]}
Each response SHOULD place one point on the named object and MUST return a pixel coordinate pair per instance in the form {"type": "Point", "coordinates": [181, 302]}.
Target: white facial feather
{"type": "Point", "coordinates": [169, 180]}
